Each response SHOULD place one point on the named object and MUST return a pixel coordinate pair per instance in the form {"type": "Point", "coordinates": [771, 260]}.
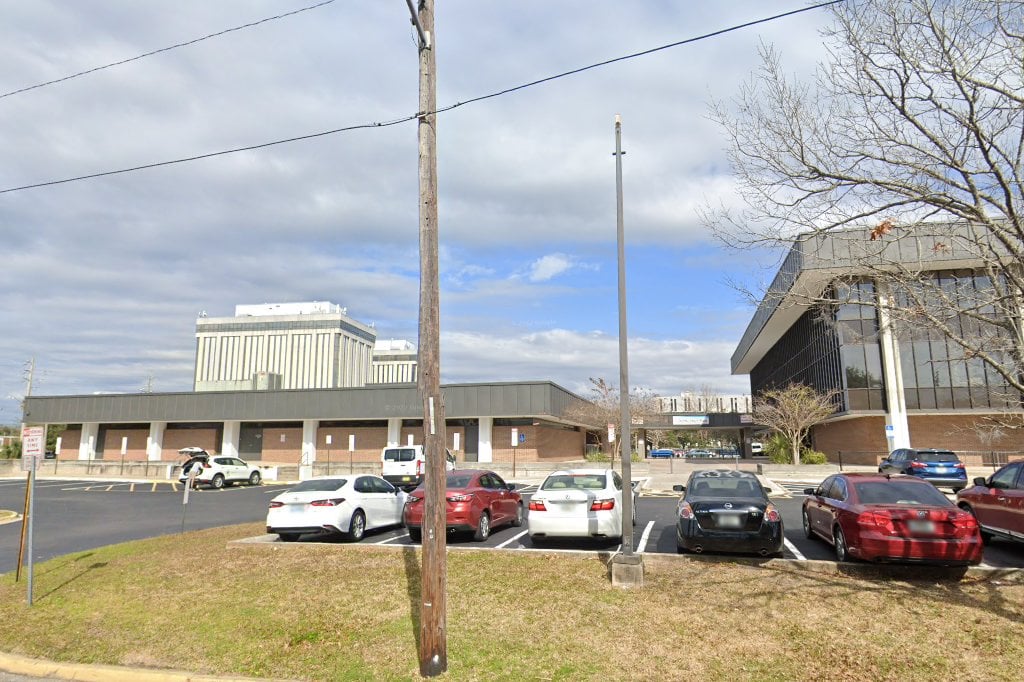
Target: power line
{"type": "Point", "coordinates": [164, 49]}
{"type": "Point", "coordinates": [412, 117]}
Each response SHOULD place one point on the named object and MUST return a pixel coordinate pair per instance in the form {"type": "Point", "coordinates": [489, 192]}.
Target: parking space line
{"type": "Point", "coordinates": [643, 538]}
{"type": "Point", "coordinates": [792, 548]}
{"type": "Point", "coordinates": [511, 540]}
{"type": "Point", "coordinates": [386, 541]}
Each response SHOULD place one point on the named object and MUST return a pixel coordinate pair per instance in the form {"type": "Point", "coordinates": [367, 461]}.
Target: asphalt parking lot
{"type": "Point", "coordinates": [78, 515]}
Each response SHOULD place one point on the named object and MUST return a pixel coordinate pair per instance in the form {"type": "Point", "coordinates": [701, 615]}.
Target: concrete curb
{"type": "Point", "coordinates": [88, 672]}
{"type": "Point", "coordinates": [7, 516]}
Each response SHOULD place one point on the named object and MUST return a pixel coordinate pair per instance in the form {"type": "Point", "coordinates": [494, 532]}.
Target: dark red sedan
{"type": "Point", "coordinates": [998, 503]}
{"type": "Point", "coordinates": [476, 500]}
{"type": "Point", "coordinates": [878, 517]}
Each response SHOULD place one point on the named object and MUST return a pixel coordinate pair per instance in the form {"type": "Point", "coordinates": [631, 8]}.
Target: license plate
{"type": "Point", "coordinates": [729, 520]}
{"type": "Point", "coordinates": [942, 470]}
{"type": "Point", "coordinates": [406, 478]}
{"type": "Point", "coordinates": [918, 526]}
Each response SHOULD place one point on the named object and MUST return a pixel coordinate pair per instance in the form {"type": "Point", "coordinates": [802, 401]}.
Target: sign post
{"type": "Point", "coordinates": [33, 447]}
{"type": "Point", "coordinates": [515, 444]}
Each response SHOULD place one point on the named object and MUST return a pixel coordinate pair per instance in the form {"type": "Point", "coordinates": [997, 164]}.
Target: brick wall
{"type": "Point", "coordinates": [176, 439]}
{"type": "Point", "coordinates": [136, 449]}
{"type": "Point", "coordinates": [369, 442]}
{"type": "Point", "coordinates": [70, 440]}
{"type": "Point", "coordinates": [282, 444]}
{"type": "Point", "coordinates": [542, 444]}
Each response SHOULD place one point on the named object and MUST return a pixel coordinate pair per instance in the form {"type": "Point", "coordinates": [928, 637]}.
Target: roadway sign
{"type": "Point", "coordinates": [33, 445]}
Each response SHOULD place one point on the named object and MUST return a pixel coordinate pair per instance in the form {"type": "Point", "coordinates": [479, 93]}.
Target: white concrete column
{"type": "Point", "coordinates": [892, 372]}
{"type": "Point", "coordinates": [155, 441]}
{"type": "Point", "coordinates": [309, 429]}
{"type": "Point", "coordinates": [231, 438]}
{"type": "Point", "coordinates": [394, 431]}
{"type": "Point", "coordinates": [484, 449]}
{"type": "Point", "coordinates": [87, 447]}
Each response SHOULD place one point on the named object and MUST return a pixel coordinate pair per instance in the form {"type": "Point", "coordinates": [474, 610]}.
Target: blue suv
{"type": "Point", "coordinates": [938, 467]}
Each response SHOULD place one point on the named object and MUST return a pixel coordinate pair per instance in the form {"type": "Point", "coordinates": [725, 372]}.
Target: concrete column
{"type": "Point", "coordinates": [485, 451]}
{"type": "Point", "coordinates": [87, 448]}
{"type": "Point", "coordinates": [892, 373]}
{"type": "Point", "coordinates": [309, 429]}
{"type": "Point", "coordinates": [394, 431]}
{"type": "Point", "coordinates": [231, 438]}
{"type": "Point", "coordinates": [155, 441]}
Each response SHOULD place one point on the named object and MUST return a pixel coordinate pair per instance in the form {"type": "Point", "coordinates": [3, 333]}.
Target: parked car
{"type": "Point", "coordinates": [727, 511]}
{"type": "Point", "coordinates": [756, 448]}
{"type": "Point", "coordinates": [217, 470]}
{"type": "Point", "coordinates": [938, 467]}
{"type": "Point", "coordinates": [662, 452]}
{"type": "Point", "coordinates": [579, 503]}
{"type": "Point", "coordinates": [405, 465]}
{"type": "Point", "coordinates": [878, 517]}
{"type": "Point", "coordinates": [700, 453]}
{"type": "Point", "coordinates": [476, 500]}
{"type": "Point", "coordinates": [998, 503]}
{"type": "Point", "coordinates": [349, 505]}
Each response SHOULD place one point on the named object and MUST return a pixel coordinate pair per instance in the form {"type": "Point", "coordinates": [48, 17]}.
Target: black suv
{"type": "Point", "coordinates": [938, 467]}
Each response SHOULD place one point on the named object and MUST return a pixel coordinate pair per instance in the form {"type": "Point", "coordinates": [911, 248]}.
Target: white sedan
{"type": "Point", "coordinates": [349, 505]}
{"type": "Point", "coordinates": [578, 503]}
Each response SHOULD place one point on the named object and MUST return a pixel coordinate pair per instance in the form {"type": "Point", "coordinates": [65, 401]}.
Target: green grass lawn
{"type": "Point", "coordinates": [350, 613]}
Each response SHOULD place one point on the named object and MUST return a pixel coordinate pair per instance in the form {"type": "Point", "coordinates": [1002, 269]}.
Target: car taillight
{"type": "Point", "coordinates": [771, 513]}
{"type": "Point", "coordinates": [333, 502]}
{"type": "Point", "coordinates": [958, 465]}
{"type": "Point", "coordinates": [963, 519]}
{"type": "Point", "coordinates": [880, 520]}
{"type": "Point", "coordinates": [419, 468]}
{"type": "Point", "coordinates": [537, 505]}
{"type": "Point", "coordinates": [602, 505]}
{"type": "Point", "coordinates": [276, 505]}
{"type": "Point", "coordinates": [685, 511]}
{"type": "Point", "coordinates": [460, 497]}
{"type": "Point", "coordinates": [918, 465]}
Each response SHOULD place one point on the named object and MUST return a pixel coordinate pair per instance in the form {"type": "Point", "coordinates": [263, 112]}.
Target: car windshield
{"type": "Point", "coordinates": [937, 457]}
{"type": "Point", "coordinates": [899, 492]}
{"type": "Point", "coordinates": [319, 484]}
{"type": "Point", "coordinates": [399, 455]}
{"type": "Point", "coordinates": [581, 481]}
{"type": "Point", "coordinates": [725, 487]}
{"type": "Point", "coordinates": [458, 481]}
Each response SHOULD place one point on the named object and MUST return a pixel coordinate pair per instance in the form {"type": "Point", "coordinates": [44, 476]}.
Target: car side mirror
{"type": "Point", "coordinates": [981, 481]}
{"type": "Point", "coordinates": [679, 488]}
{"type": "Point", "coordinates": [810, 491]}
{"type": "Point", "coordinates": [510, 486]}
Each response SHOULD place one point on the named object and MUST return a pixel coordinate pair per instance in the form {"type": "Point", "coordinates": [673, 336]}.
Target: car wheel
{"type": "Point", "coordinates": [538, 540]}
{"type": "Point", "coordinates": [956, 490]}
{"type": "Point", "coordinates": [680, 549]}
{"type": "Point", "coordinates": [255, 478]}
{"type": "Point", "coordinates": [416, 534]}
{"type": "Point", "coordinates": [808, 533]}
{"type": "Point", "coordinates": [288, 537]}
{"type": "Point", "coordinates": [483, 528]}
{"type": "Point", "coordinates": [842, 554]}
{"type": "Point", "coordinates": [218, 481]}
{"type": "Point", "coordinates": [356, 526]}
{"type": "Point", "coordinates": [518, 521]}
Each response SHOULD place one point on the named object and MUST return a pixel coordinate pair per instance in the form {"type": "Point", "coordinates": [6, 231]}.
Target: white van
{"type": "Point", "coordinates": [756, 448]}
{"type": "Point", "coordinates": [405, 465]}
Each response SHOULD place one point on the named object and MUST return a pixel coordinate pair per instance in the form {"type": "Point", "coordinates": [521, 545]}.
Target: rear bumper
{"type": "Point", "coordinates": [941, 551]}
{"type": "Point", "coordinates": [594, 524]}
{"type": "Point", "coordinates": [768, 539]}
{"type": "Point", "coordinates": [404, 481]}
{"type": "Point", "coordinates": [945, 481]}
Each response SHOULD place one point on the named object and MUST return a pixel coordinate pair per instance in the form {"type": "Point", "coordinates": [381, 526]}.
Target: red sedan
{"type": "Point", "coordinates": [876, 517]}
{"type": "Point", "coordinates": [476, 500]}
{"type": "Point", "coordinates": [998, 503]}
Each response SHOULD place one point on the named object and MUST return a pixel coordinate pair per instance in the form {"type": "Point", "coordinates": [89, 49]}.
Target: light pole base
{"type": "Point", "coordinates": [628, 571]}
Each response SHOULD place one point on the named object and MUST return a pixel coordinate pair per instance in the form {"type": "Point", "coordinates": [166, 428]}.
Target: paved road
{"type": "Point", "coordinates": [76, 516]}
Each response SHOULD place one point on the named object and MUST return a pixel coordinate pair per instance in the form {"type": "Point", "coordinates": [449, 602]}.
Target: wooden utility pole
{"type": "Point", "coordinates": [433, 641]}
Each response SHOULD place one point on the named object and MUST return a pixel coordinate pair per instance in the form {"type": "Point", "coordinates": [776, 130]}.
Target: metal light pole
{"type": "Point", "coordinates": [433, 643]}
{"type": "Point", "coordinates": [627, 567]}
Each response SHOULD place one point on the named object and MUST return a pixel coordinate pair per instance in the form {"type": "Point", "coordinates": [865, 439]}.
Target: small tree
{"type": "Point", "coordinates": [792, 411]}
{"type": "Point", "coordinates": [603, 409]}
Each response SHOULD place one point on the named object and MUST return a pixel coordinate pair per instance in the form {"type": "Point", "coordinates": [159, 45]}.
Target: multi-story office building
{"type": "Point", "coordinates": [394, 362]}
{"type": "Point", "coordinates": [283, 346]}
{"type": "Point", "coordinates": [897, 384]}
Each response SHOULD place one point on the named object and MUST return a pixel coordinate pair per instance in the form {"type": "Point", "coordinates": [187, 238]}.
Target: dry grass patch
{"type": "Point", "coordinates": [350, 613]}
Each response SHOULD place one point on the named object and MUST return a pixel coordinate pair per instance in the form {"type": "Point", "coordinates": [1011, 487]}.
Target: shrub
{"type": "Point", "coordinates": [813, 457]}
{"type": "Point", "coordinates": [597, 457]}
{"type": "Point", "coordinates": [778, 450]}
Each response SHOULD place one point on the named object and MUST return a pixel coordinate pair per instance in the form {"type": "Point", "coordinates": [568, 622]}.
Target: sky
{"type": "Point", "coordinates": [101, 280]}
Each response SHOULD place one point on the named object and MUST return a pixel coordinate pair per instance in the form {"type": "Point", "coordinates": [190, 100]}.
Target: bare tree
{"type": "Point", "coordinates": [602, 409]}
{"type": "Point", "coordinates": [914, 132]}
{"type": "Point", "coordinates": [792, 411]}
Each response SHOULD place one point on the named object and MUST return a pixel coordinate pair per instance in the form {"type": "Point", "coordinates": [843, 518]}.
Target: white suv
{"type": "Point", "coordinates": [217, 470]}
{"type": "Point", "coordinates": [405, 465]}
